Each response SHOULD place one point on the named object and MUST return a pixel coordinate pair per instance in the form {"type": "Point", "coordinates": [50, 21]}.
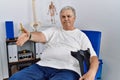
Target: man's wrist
{"type": "Point", "coordinates": [30, 36]}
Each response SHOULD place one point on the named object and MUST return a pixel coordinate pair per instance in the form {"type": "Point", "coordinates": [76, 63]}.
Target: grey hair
{"type": "Point", "coordinates": [69, 8]}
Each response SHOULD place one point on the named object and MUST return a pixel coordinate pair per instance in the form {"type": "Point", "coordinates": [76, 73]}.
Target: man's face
{"type": "Point", "coordinates": [67, 19]}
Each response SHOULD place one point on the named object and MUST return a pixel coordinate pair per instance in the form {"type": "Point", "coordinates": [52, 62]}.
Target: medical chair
{"type": "Point", "coordinates": [95, 38]}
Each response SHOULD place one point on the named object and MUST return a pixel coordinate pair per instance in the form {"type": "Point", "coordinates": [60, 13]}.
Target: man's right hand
{"type": "Point", "coordinates": [23, 37]}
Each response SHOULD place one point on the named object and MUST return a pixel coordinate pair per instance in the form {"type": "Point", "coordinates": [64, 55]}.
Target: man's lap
{"type": "Point", "coordinates": [36, 72]}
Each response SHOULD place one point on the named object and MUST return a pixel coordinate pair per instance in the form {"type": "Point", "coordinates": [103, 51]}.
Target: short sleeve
{"type": "Point", "coordinates": [87, 44]}
{"type": "Point", "coordinates": [49, 32]}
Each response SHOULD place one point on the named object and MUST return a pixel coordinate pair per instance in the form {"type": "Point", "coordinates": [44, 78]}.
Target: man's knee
{"type": "Point", "coordinates": [65, 75]}
{"type": "Point", "coordinates": [16, 77]}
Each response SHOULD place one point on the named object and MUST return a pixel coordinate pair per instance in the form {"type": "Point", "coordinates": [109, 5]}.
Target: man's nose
{"type": "Point", "coordinates": [66, 18]}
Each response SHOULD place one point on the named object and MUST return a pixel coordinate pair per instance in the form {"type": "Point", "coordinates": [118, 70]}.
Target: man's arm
{"type": "Point", "coordinates": [94, 63]}
{"type": "Point", "coordinates": [37, 37]}
{"type": "Point", "coordinates": [90, 75]}
{"type": "Point", "coordinates": [33, 36]}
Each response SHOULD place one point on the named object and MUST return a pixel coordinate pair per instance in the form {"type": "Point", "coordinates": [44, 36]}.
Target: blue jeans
{"type": "Point", "coordinates": [36, 72]}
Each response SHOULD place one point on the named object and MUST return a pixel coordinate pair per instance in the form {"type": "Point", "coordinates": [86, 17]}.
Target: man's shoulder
{"type": "Point", "coordinates": [53, 28]}
{"type": "Point", "coordinates": [79, 31]}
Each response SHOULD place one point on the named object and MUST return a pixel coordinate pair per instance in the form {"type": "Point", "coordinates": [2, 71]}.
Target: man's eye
{"type": "Point", "coordinates": [63, 16]}
{"type": "Point", "coordinates": [69, 16]}
{"type": "Point", "coordinates": [66, 16]}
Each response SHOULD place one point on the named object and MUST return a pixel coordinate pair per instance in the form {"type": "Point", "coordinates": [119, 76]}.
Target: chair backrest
{"type": "Point", "coordinates": [95, 38]}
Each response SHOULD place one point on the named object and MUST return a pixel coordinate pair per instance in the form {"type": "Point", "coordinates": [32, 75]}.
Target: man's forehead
{"type": "Point", "coordinates": [67, 12]}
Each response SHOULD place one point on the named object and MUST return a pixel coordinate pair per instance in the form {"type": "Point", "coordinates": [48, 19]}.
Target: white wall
{"type": "Point", "coordinates": [1, 71]}
{"type": "Point", "coordinates": [100, 15]}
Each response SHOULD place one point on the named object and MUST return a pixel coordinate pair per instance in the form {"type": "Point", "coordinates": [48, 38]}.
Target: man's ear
{"type": "Point", "coordinates": [74, 18]}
